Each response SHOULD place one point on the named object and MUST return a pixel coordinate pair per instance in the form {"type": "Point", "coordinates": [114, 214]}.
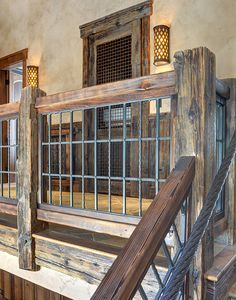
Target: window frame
{"type": "Point", "coordinates": [134, 21]}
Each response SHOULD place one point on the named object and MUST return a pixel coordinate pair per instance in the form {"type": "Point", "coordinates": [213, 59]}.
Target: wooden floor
{"type": "Point", "coordinates": [132, 203]}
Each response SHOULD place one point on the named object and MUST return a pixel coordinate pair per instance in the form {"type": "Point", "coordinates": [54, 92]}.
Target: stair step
{"type": "Point", "coordinates": [232, 292]}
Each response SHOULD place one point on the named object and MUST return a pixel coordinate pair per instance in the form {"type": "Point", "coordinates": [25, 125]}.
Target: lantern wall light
{"type": "Point", "coordinates": [161, 45]}
{"type": "Point", "coordinates": [33, 76]}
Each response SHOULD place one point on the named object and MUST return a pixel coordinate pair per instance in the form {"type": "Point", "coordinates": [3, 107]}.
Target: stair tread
{"type": "Point", "coordinates": [222, 262]}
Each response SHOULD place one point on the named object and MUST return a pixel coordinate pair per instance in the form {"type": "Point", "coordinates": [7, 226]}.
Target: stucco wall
{"type": "Point", "coordinates": [50, 29]}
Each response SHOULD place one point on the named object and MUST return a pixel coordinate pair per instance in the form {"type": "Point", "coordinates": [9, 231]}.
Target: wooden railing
{"type": "Point", "coordinates": [127, 272]}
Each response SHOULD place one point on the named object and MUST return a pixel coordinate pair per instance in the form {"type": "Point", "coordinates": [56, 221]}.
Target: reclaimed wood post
{"type": "Point", "coordinates": [195, 134]}
{"type": "Point", "coordinates": [28, 177]}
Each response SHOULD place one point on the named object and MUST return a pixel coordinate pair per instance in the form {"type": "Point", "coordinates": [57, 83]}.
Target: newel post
{"type": "Point", "coordinates": [195, 134]}
{"type": "Point", "coordinates": [27, 177]}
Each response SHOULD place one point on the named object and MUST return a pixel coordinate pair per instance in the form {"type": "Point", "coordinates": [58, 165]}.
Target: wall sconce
{"type": "Point", "coordinates": [161, 45]}
{"type": "Point", "coordinates": [32, 76]}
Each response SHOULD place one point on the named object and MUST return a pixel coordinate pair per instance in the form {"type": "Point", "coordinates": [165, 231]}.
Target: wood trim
{"type": "Point", "coordinates": [145, 46]}
{"type": "Point", "coordinates": [117, 19]}
{"type": "Point", "coordinates": [220, 226]}
{"type": "Point", "coordinates": [222, 274]}
{"type": "Point", "coordinates": [152, 86]}
{"type": "Point", "coordinates": [9, 110]}
{"type": "Point", "coordinates": [87, 223]}
{"type": "Point", "coordinates": [9, 209]}
{"type": "Point", "coordinates": [129, 269]}
{"type": "Point", "coordinates": [222, 89]}
{"type": "Point", "coordinates": [129, 220]}
{"type": "Point", "coordinates": [14, 58]}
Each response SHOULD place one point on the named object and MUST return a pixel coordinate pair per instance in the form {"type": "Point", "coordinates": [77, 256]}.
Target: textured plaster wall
{"type": "Point", "coordinates": [50, 29]}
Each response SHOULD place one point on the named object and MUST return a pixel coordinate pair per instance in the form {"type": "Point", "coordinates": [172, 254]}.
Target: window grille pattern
{"type": "Point", "coordinates": [114, 60]}
{"type": "Point", "coordinates": [8, 158]}
{"type": "Point", "coordinates": [115, 163]}
{"type": "Point", "coordinates": [161, 269]}
{"type": "Point", "coordinates": [220, 147]}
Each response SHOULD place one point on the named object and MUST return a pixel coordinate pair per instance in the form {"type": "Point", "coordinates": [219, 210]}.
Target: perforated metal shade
{"type": "Point", "coordinates": [161, 45]}
{"type": "Point", "coordinates": [32, 76]}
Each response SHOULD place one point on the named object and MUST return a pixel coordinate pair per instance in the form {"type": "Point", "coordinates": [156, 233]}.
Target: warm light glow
{"type": "Point", "coordinates": [161, 45]}
{"type": "Point", "coordinates": [32, 76]}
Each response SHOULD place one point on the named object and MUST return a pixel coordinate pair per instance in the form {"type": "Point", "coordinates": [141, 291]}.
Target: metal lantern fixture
{"type": "Point", "coordinates": [33, 76]}
{"type": "Point", "coordinates": [161, 45]}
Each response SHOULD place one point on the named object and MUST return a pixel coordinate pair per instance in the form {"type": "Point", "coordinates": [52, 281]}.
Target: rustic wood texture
{"type": "Point", "coordinates": [156, 85]}
{"type": "Point", "coordinates": [116, 19]}
{"type": "Point", "coordinates": [8, 234]}
{"type": "Point", "coordinates": [7, 208]}
{"type": "Point", "coordinates": [103, 226]}
{"type": "Point", "coordinates": [230, 190]}
{"type": "Point", "coordinates": [9, 110]}
{"type": "Point", "coordinates": [128, 270]}
{"type": "Point", "coordinates": [129, 220]}
{"type": "Point", "coordinates": [133, 21]}
{"type": "Point", "coordinates": [28, 176]}
{"type": "Point", "coordinates": [83, 261]}
{"type": "Point", "coordinates": [195, 134]}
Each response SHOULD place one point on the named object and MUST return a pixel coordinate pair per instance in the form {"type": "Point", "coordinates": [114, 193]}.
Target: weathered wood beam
{"type": "Point", "coordinates": [9, 110]}
{"type": "Point", "coordinates": [28, 177]}
{"type": "Point", "coordinates": [157, 85]}
{"type": "Point", "coordinates": [117, 19]}
{"type": "Point", "coordinates": [195, 134]}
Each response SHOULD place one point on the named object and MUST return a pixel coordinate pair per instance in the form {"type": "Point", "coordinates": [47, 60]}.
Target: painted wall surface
{"type": "Point", "coordinates": [50, 29]}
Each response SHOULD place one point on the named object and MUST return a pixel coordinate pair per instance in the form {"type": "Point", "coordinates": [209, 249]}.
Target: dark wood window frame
{"type": "Point", "coordinates": [14, 58]}
{"type": "Point", "coordinates": [134, 21]}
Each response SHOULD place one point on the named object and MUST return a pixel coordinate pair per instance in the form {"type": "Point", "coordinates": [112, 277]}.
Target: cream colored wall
{"type": "Point", "coordinates": [50, 29]}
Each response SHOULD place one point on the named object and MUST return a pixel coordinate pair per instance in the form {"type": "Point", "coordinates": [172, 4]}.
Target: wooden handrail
{"type": "Point", "coordinates": [152, 86]}
{"type": "Point", "coordinates": [9, 110]}
{"type": "Point", "coordinates": [130, 267]}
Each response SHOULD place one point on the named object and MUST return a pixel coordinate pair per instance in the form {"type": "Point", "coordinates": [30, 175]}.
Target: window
{"type": "Point", "coordinates": [220, 148]}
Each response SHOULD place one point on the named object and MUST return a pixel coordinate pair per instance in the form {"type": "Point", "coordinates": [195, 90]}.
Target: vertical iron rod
{"type": "Point", "coordinates": [140, 159]}
{"type": "Point", "coordinates": [157, 142]}
{"type": "Point", "coordinates": [1, 165]}
{"type": "Point", "coordinates": [124, 159]}
{"type": "Point", "coordinates": [71, 160]}
{"type": "Point", "coordinates": [109, 161]}
{"type": "Point", "coordinates": [83, 195]}
{"type": "Point", "coordinates": [49, 159]}
{"type": "Point", "coordinates": [60, 183]}
{"type": "Point", "coordinates": [95, 161]}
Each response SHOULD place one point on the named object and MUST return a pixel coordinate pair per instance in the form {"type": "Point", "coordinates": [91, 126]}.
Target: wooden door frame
{"type": "Point", "coordinates": [14, 58]}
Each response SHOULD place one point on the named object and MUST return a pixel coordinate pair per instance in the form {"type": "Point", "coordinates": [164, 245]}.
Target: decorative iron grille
{"type": "Point", "coordinates": [115, 163]}
{"type": "Point", "coordinates": [8, 158]}
{"type": "Point", "coordinates": [114, 60]}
